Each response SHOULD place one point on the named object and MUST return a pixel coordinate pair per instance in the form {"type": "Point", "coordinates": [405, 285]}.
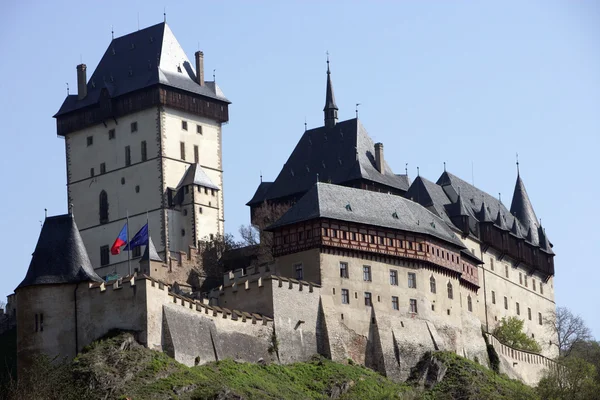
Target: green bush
{"type": "Point", "coordinates": [510, 332]}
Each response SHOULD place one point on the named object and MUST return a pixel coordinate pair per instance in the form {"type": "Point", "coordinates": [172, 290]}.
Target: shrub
{"type": "Point", "coordinates": [510, 332]}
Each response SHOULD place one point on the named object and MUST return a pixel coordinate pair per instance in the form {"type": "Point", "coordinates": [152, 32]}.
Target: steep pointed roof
{"type": "Point", "coordinates": [500, 221]}
{"type": "Point", "coordinates": [522, 208]}
{"type": "Point", "coordinates": [329, 96]}
{"type": "Point", "coordinates": [59, 256]}
{"type": "Point", "coordinates": [515, 229]}
{"type": "Point", "coordinates": [195, 175]}
{"type": "Point", "coordinates": [138, 60]}
{"type": "Point", "coordinates": [429, 195]}
{"type": "Point", "coordinates": [484, 215]}
{"type": "Point", "coordinates": [150, 252]}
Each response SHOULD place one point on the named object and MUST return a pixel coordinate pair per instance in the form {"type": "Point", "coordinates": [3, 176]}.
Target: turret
{"type": "Point", "coordinates": [330, 110]}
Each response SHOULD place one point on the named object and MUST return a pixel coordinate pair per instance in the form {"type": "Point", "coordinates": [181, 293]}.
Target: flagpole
{"type": "Point", "coordinates": [128, 246]}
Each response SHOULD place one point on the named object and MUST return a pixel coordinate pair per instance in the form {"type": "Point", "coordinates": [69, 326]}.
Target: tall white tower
{"type": "Point", "coordinates": [143, 138]}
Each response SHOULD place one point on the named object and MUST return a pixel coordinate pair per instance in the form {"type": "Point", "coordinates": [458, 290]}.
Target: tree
{"type": "Point", "coordinates": [209, 267]}
{"type": "Point", "coordinates": [589, 351]}
{"type": "Point", "coordinates": [568, 328]}
{"type": "Point", "coordinates": [510, 332]}
{"type": "Point", "coordinates": [574, 379]}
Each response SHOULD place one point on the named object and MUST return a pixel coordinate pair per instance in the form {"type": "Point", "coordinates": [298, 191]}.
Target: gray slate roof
{"type": "Point", "coordinates": [261, 192]}
{"type": "Point", "coordinates": [150, 252]}
{"type": "Point", "coordinates": [59, 256]}
{"type": "Point", "coordinates": [195, 175]}
{"type": "Point", "coordinates": [138, 60]}
{"type": "Point", "coordinates": [339, 154]}
{"type": "Point", "coordinates": [521, 208]}
{"type": "Point", "coordinates": [370, 208]}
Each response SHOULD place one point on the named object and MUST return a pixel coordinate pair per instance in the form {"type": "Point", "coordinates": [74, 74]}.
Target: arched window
{"type": "Point", "coordinates": [432, 284]}
{"type": "Point", "coordinates": [450, 294]}
{"type": "Point", "coordinates": [103, 207]}
{"type": "Point", "coordinates": [469, 303]}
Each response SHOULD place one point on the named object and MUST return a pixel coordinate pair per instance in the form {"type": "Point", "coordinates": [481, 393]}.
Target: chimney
{"type": "Point", "coordinates": [379, 157]}
{"type": "Point", "coordinates": [200, 68]}
{"type": "Point", "coordinates": [81, 82]}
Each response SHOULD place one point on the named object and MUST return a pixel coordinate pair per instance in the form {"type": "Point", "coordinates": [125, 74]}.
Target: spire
{"type": "Point", "coordinates": [484, 216]}
{"type": "Point", "coordinates": [521, 207]}
{"type": "Point", "coordinates": [330, 110]}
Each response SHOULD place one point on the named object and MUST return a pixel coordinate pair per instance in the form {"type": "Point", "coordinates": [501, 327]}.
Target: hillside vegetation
{"type": "Point", "coordinates": [119, 368]}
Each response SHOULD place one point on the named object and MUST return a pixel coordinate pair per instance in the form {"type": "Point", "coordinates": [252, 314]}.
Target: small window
{"type": "Point", "coordinates": [196, 155]}
{"type": "Point", "coordinates": [122, 180]}
{"type": "Point", "coordinates": [200, 210]}
{"type": "Point", "coordinates": [144, 151]}
{"type": "Point", "coordinates": [525, 278]}
{"type": "Point", "coordinates": [533, 285]}
{"type": "Point", "coordinates": [212, 192]}
{"type": "Point", "coordinates": [137, 188]}
{"type": "Point", "coordinates": [491, 263]}
{"type": "Point", "coordinates": [469, 303]}
{"type": "Point", "coordinates": [520, 278]}
{"type": "Point", "coordinates": [541, 288]}
{"type": "Point", "coordinates": [199, 129]}
{"type": "Point", "coordinates": [413, 306]}
{"type": "Point", "coordinates": [395, 303]}
{"type": "Point", "coordinates": [111, 134]}
{"type": "Point", "coordinates": [103, 168]}
{"type": "Point", "coordinates": [92, 172]}
{"type": "Point", "coordinates": [529, 313]}
{"type": "Point", "coordinates": [299, 271]}
{"type": "Point", "coordinates": [366, 273]}
{"type": "Point", "coordinates": [344, 270]}
{"type": "Point", "coordinates": [41, 322]}
{"type": "Point", "coordinates": [184, 125]}
{"type": "Point", "coordinates": [540, 318]}
{"type": "Point", "coordinates": [506, 270]}
{"type": "Point", "coordinates": [432, 287]}
{"type": "Point", "coordinates": [127, 156]}
{"type": "Point", "coordinates": [182, 150]}
{"type": "Point", "coordinates": [345, 296]}
{"type": "Point", "coordinates": [368, 301]}
{"type": "Point", "coordinates": [518, 309]}
{"type": "Point", "coordinates": [136, 252]}
{"type": "Point", "coordinates": [412, 280]}
{"type": "Point", "coordinates": [183, 232]}
{"type": "Point", "coordinates": [505, 303]}
{"type": "Point", "coordinates": [104, 255]}
{"type": "Point", "coordinates": [134, 127]}
{"type": "Point", "coordinates": [393, 277]}
{"type": "Point", "coordinates": [493, 297]}
{"type": "Point", "coordinates": [90, 140]}
{"type": "Point", "coordinates": [450, 292]}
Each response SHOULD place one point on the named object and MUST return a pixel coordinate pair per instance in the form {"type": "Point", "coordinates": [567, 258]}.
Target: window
{"type": "Point", "coordinates": [103, 168]}
{"type": "Point", "coordinates": [111, 134]}
{"type": "Point", "coordinates": [529, 313]}
{"type": "Point", "coordinates": [104, 257]}
{"type": "Point", "coordinates": [393, 277]}
{"type": "Point", "coordinates": [413, 306]}
{"type": "Point", "coordinates": [103, 207]}
{"type": "Point", "coordinates": [199, 129]}
{"type": "Point", "coordinates": [520, 278]}
{"type": "Point", "coordinates": [540, 318]}
{"type": "Point", "coordinates": [505, 303]}
{"type": "Point", "coordinates": [533, 284]}
{"type": "Point", "coordinates": [127, 156]}
{"type": "Point", "coordinates": [506, 270]}
{"type": "Point", "coordinates": [196, 155]}
{"type": "Point", "coordinates": [136, 252]}
{"type": "Point", "coordinates": [92, 172]}
{"type": "Point", "coordinates": [90, 140]}
{"type": "Point", "coordinates": [368, 301]}
{"type": "Point", "coordinates": [299, 272]}
{"type": "Point", "coordinates": [493, 297]}
{"type": "Point", "coordinates": [491, 263]}
{"type": "Point", "coordinates": [182, 150]}
{"type": "Point", "coordinates": [366, 273]}
{"type": "Point", "coordinates": [345, 296]}
{"type": "Point", "coordinates": [412, 280]}
{"type": "Point", "coordinates": [469, 303]}
{"type": "Point", "coordinates": [541, 288]}
{"type": "Point", "coordinates": [525, 277]}
{"type": "Point", "coordinates": [212, 192]}
{"type": "Point", "coordinates": [450, 293]}
{"type": "Point", "coordinates": [344, 270]}
{"type": "Point", "coordinates": [518, 309]}
{"type": "Point", "coordinates": [432, 284]}
{"type": "Point", "coordinates": [395, 303]}
{"type": "Point", "coordinates": [41, 322]}
{"type": "Point", "coordinates": [134, 127]}
{"type": "Point", "coordinates": [184, 125]}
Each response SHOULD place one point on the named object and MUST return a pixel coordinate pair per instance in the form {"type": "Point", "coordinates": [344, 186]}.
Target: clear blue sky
{"type": "Point", "coordinates": [461, 82]}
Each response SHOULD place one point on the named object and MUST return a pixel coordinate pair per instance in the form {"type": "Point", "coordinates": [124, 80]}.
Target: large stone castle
{"type": "Point", "coordinates": [366, 265]}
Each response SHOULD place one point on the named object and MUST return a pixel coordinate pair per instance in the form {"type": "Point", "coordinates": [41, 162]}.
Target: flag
{"type": "Point", "coordinates": [140, 238]}
{"type": "Point", "coordinates": [120, 241]}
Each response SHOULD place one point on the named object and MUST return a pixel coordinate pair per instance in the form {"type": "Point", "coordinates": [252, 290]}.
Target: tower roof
{"type": "Point", "coordinates": [522, 209]}
{"type": "Point", "coordinates": [59, 256]}
{"type": "Point", "coordinates": [196, 175]}
{"type": "Point", "coordinates": [138, 60]}
{"type": "Point", "coordinates": [484, 215]}
{"type": "Point", "coordinates": [150, 253]}
{"type": "Point", "coordinates": [329, 96]}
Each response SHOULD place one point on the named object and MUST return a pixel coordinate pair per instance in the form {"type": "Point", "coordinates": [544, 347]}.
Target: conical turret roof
{"type": "Point", "coordinates": [500, 221]}
{"type": "Point", "coordinates": [522, 209]}
{"type": "Point", "coordinates": [150, 253]}
{"type": "Point", "coordinates": [484, 215]}
{"type": "Point", "coordinates": [329, 96]}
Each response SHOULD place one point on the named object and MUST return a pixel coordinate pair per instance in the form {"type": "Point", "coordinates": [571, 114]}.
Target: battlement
{"type": "Point", "coordinates": [246, 273]}
{"type": "Point", "coordinates": [247, 282]}
{"type": "Point", "coordinates": [520, 355]}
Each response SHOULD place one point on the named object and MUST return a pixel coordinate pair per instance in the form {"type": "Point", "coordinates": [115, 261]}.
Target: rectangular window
{"type": "Point", "coordinates": [144, 151]}
{"type": "Point", "coordinates": [529, 313]}
{"type": "Point", "coordinates": [540, 318]}
{"type": "Point", "coordinates": [413, 306]}
{"type": "Point", "coordinates": [344, 270]}
{"type": "Point", "coordinates": [184, 125]}
{"type": "Point", "coordinates": [525, 280]}
{"type": "Point", "coordinates": [492, 263]}
{"type": "Point", "coordinates": [199, 129]}
{"type": "Point", "coordinates": [506, 270]}
{"type": "Point", "coordinates": [368, 301]}
{"type": "Point", "coordinates": [366, 273]}
{"type": "Point", "coordinates": [412, 280]}
{"type": "Point", "coordinates": [92, 172]}
{"type": "Point", "coordinates": [533, 284]}
{"type": "Point", "coordinates": [505, 303]}
{"type": "Point", "coordinates": [393, 277]}
{"type": "Point", "coordinates": [493, 297]}
{"type": "Point", "coordinates": [134, 127]}
{"type": "Point", "coordinates": [299, 271]}
{"type": "Point", "coordinates": [520, 278]}
{"type": "Point", "coordinates": [345, 296]}
{"type": "Point", "coordinates": [395, 303]}
{"type": "Point", "coordinates": [541, 288]}
{"type": "Point", "coordinates": [518, 309]}
{"type": "Point", "coordinates": [182, 150]}
{"type": "Point", "coordinates": [111, 134]}
{"type": "Point", "coordinates": [103, 168]}
{"type": "Point", "coordinates": [90, 140]}
{"type": "Point", "coordinates": [196, 155]}
{"type": "Point", "coordinates": [127, 156]}
{"type": "Point", "coordinates": [104, 258]}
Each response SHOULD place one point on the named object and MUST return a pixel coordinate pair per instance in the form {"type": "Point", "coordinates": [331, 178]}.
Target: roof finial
{"type": "Point", "coordinates": [305, 124]}
{"type": "Point", "coordinates": [260, 176]}
{"type": "Point", "coordinates": [317, 177]}
{"type": "Point", "coordinates": [406, 169]}
{"type": "Point", "coordinates": [112, 32]}
{"type": "Point", "coordinates": [518, 164]}
{"type": "Point", "coordinates": [45, 213]}
{"type": "Point", "coordinates": [71, 209]}
{"type": "Point", "coordinates": [215, 75]}
{"type": "Point", "coordinates": [500, 197]}
{"type": "Point", "coordinates": [165, 14]}
{"type": "Point", "coordinates": [67, 88]}
{"type": "Point", "coordinates": [444, 166]}
{"type": "Point", "coordinates": [357, 104]}
{"type": "Point", "coordinates": [418, 173]}
{"type": "Point", "coordinates": [328, 72]}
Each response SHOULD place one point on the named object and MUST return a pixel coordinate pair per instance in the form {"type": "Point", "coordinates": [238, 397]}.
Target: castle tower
{"type": "Point", "coordinates": [330, 110]}
{"type": "Point", "coordinates": [46, 320]}
{"type": "Point", "coordinates": [137, 134]}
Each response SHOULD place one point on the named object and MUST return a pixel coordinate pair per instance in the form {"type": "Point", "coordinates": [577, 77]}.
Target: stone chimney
{"type": "Point", "coordinates": [200, 68]}
{"type": "Point", "coordinates": [379, 157]}
{"type": "Point", "coordinates": [81, 81]}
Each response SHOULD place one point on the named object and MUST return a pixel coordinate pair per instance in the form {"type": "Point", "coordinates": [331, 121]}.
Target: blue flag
{"type": "Point", "coordinates": [140, 239]}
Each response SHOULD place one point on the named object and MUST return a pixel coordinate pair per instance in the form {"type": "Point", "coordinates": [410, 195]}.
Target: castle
{"type": "Point", "coordinates": [366, 265]}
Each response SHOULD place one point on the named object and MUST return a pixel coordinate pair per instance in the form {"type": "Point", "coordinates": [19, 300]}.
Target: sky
{"type": "Point", "coordinates": [467, 83]}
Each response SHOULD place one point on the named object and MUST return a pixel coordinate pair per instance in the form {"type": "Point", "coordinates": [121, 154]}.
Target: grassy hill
{"type": "Point", "coordinates": [119, 368]}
